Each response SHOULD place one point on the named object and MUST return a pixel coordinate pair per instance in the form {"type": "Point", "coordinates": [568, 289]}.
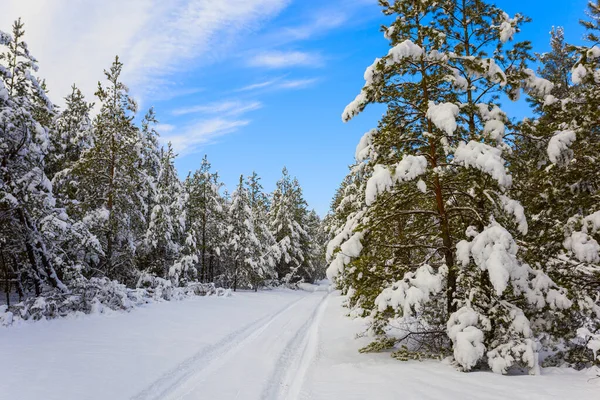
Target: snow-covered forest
{"type": "Point", "coordinates": [465, 236]}
{"type": "Point", "coordinates": [94, 214]}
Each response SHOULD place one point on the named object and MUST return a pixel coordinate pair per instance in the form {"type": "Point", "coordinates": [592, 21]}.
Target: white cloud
{"type": "Point", "coordinates": [192, 136]}
{"type": "Point", "coordinates": [259, 85]}
{"type": "Point", "coordinates": [230, 107]}
{"type": "Point", "coordinates": [75, 40]}
{"type": "Point", "coordinates": [282, 59]}
{"type": "Point", "coordinates": [320, 22]}
{"type": "Point", "coordinates": [279, 84]}
{"type": "Point", "coordinates": [297, 84]}
{"type": "Point", "coordinates": [164, 128]}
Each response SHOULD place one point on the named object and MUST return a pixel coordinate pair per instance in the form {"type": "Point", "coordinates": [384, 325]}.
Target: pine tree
{"type": "Point", "coordinates": [268, 250]}
{"type": "Point", "coordinates": [167, 217]}
{"type": "Point", "coordinates": [30, 223]}
{"type": "Point", "coordinates": [557, 162]}
{"type": "Point", "coordinates": [111, 185]}
{"type": "Point", "coordinates": [434, 247]}
{"type": "Point", "coordinates": [206, 219]}
{"type": "Point", "coordinates": [288, 209]}
{"type": "Point", "coordinates": [70, 135]}
{"type": "Point", "coordinates": [243, 246]}
{"type": "Point", "coordinates": [317, 240]}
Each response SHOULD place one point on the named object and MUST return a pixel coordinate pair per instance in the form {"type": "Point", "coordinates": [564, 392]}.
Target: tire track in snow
{"type": "Point", "coordinates": [175, 378]}
{"type": "Point", "coordinates": [290, 371]}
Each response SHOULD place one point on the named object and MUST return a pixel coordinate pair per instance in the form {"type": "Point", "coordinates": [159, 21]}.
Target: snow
{"type": "Point", "coordinates": [516, 209]}
{"type": "Point", "coordinates": [467, 337]}
{"type": "Point", "coordinates": [412, 291]}
{"type": "Point", "coordinates": [540, 86]}
{"type": "Point", "coordinates": [593, 340]}
{"type": "Point", "coordinates": [278, 344]}
{"type": "Point", "coordinates": [558, 146]}
{"type": "Point", "coordinates": [578, 74]}
{"type": "Point", "coordinates": [382, 180]}
{"type": "Point", "coordinates": [585, 247]}
{"type": "Point", "coordinates": [493, 250]}
{"type": "Point", "coordinates": [443, 116]}
{"type": "Point", "coordinates": [406, 49]}
{"type": "Point", "coordinates": [364, 146]}
{"type": "Point", "coordinates": [485, 158]}
{"type": "Point", "coordinates": [508, 28]}
{"type": "Point", "coordinates": [355, 106]}
{"type": "Point", "coordinates": [352, 247]}
{"type": "Point", "coordinates": [340, 372]}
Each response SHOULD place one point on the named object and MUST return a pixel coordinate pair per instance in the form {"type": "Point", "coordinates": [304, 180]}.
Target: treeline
{"type": "Point", "coordinates": [95, 199]}
{"type": "Point", "coordinates": [460, 231]}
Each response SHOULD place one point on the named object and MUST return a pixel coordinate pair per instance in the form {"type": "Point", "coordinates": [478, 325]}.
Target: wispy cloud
{"type": "Point", "coordinates": [191, 137]}
{"type": "Point", "coordinates": [173, 93]}
{"type": "Point", "coordinates": [230, 108]}
{"type": "Point", "coordinates": [155, 39]}
{"type": "Point", "coordinates": [319, 23]}
{"type": "Point", "coordinates": [279, 84]}
{"type": "Point", "coordinates": [222, 108]}
{"type": "Point", "coordinates": [283, 59]}
{"type": "Point", "coordinates": [164, 128]}
{"type": "Point", "coordinates": [259, 85]}
{"type": "Point", "coordinates": [297, 84]}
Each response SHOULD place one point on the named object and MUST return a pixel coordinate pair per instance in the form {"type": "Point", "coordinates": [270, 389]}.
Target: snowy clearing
{"type": "Point", "coordinates": [279, 344]}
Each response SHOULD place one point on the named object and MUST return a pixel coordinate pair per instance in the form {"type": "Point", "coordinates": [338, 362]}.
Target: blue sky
{"type": "Point", "coordinates": [254, 84]}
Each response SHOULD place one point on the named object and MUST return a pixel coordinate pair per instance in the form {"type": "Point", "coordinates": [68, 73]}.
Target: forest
{"type": "Point", "coordinates": [93, 213]}
{"type": "Point", "coordinates": [462, 232]}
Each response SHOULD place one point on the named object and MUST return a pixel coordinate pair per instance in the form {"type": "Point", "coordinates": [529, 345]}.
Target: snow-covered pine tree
{"type": "Point", "coordinates": [243, 247]}
{"type": "Point", "coordinates": [70, 136]}
{"type": "Point", "coordinates": [151, 159]}
{"type": "Point", "coordinates": [558, 164]}
{"type": "Point", "coordinates": [269, 250]}
{"type": "Point", "coordinates": [435, 248]}
{"type": "Point", "coordinates": [206, 219]}
{"type": "Point", "coordinates": [30, 223]}
{"type": "Point", "coordinates": [286, 217]}
{"type": "Point", "coordinates": [317, 240]}
{"type": "Point", "coordinates": [110, 183]}
{"type": "Point", "coordinates": [166, 225]}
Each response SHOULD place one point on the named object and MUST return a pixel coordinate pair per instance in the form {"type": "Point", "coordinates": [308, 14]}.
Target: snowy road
{"type": "Point", "coordinates": [266, 345]}
{"type": "Point", "coordinates": [266, 359]}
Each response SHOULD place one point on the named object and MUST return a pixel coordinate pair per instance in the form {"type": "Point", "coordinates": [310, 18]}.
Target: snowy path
{"type": "Point", "coordinates": [268, 345]}
{"type": "Point", "coordinates": [259, 361]}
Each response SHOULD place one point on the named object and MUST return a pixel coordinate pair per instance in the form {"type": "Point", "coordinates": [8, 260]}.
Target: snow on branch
{"type": "Point", "coordinates": [559, 151]}
{"type": "Point", "coordinates": [383, 179]}
{"type": "Point", "coordinates": [485, 158]}
{"type": "Point", "coordinates": [443, 116]}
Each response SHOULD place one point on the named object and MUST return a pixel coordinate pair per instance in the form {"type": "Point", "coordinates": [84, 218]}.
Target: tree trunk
{"type": "Point", "coordinates": [235, 272]}
{"type": "Point", "coordinates": [439, 198]}
{"type": "Point", "coordinates": [6, 278]}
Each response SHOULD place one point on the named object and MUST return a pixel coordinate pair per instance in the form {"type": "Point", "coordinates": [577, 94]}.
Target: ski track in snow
{"type": "Point", "coordinates": [294, 362]}
{"type": "Point", "coordinates": [178, 382]}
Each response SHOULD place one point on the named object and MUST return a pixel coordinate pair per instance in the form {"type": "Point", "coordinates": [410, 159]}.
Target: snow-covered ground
{"type": "Point", "coordinates": [277, 344]}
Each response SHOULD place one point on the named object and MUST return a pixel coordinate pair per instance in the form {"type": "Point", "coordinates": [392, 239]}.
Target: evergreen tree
{"type": "Point", "coordinates": [557, 162]}
{"type": "Point", "coordinates": [243, 246]}
{"type": "Point", "coordinates": [70, 135]}
{"type": "Point", "coordinates": [268, 250]}
{"type": "Point", "coordinates": [167, 218]}
{"type": "Point", "coordinates": [31, 225]}
{"type": "Point", "coordinates": [434, 246]}
{"type": "Point", "coordinates": [288, 209]}
{"type": "Point", "coordinates": [111, 186]}
{"type": "Point", "coordinates": [206, 218]}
